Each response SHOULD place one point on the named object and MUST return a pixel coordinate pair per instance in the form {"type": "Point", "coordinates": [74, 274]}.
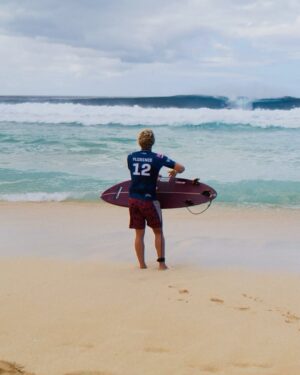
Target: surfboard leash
{"type": "Point", "coordinates": [201, 212]}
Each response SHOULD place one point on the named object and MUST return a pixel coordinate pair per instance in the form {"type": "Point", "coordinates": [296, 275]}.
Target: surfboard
{"type": "Point", "coordinates": [171, 193]}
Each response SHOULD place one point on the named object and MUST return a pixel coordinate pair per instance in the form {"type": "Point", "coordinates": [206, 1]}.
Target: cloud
{"type": "Point", "coordinates": [104, 41]}
{"type": "Point", "coordinates": [139, 30]}
{"type": "Point", "coordinates": [33, 63]}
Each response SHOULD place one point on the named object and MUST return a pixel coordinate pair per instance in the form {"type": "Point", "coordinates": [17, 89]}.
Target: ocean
{"type": "Point", "coordinates": [72, 148]}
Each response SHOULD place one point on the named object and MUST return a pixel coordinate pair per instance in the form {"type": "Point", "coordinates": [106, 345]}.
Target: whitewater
{"type": "Point", "coordinates": [57, 149]}
{"type": "Point", "coordinates": [50, 113]}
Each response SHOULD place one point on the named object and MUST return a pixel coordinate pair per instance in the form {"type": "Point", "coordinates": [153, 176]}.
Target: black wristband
{"type": "Point", "coordinates": [161, 260]}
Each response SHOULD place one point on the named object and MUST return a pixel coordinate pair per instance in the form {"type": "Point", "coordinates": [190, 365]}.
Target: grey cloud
{"type": "Point", "coordinates": [134, 31]}
{"type": "Point", "coordinates": [134, 38]}
{"type": "Point", "coordinates": [112, 27]}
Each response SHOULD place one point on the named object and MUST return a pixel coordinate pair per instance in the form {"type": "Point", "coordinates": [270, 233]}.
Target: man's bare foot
{"type": "Point", "coordinates": [143, 266]}
{"type": "Point", "coordinates": [162, 266]}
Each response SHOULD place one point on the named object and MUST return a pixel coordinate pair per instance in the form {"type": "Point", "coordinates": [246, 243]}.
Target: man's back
{"type": "Point", "coordinates": [144, 168]}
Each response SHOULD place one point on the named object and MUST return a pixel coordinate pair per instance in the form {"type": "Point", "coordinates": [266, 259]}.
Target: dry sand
{"type": "Point", "coordinates": [72, 300]}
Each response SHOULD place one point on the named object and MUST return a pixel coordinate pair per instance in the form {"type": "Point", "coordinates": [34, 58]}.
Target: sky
{"type": "Point", "coordinates": [150, 47]}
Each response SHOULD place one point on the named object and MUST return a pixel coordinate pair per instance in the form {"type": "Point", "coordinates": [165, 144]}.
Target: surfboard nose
{"type": "Point", "coordinates": [209, 194]}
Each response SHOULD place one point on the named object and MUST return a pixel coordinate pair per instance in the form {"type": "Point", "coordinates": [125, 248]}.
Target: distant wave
{"type": "Point", "coordinates": [284, 103]}
{"type": "Point", "coordinates": [78, 114]}
{"type": "Point", "coordinates": [177, 101]}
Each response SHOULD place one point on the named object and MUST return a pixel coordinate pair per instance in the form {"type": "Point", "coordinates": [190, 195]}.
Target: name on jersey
{"type": "Point", "coordinates": [148, 160]}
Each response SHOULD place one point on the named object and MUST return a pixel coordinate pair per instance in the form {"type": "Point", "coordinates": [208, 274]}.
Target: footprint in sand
{"type": "Point", "coordinates": [242, 308]}
{"type": "Point", "coordinates": [287, 315]}
{"type": "Point", "coordinates": [255, 299]}
{"type": "Point", "coordinates": [221, 302]}
{"type": "Point", "coordinates": [9, 368]}
{"type": "Point", "coordinates": [217, 300]}
{"type": "Point", "coordinates": [209, 368]}
{"type": "Point", "coordinates": [290, 317]}
{"type": "Point", "coordinates": [182, 291]}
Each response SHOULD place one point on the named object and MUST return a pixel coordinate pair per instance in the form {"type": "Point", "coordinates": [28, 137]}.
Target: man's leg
{"type": "Point", "coordinates": [160, 246]}
{"type": "Point", "coordinates": [140, 247]}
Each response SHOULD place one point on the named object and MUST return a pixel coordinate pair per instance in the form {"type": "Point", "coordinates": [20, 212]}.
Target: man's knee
{"type": "Point", "coordinates": [139, 233]}
{"type": "Point", "coordinates": [157, 231]}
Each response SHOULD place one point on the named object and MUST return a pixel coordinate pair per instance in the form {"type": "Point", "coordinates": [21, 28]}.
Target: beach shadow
{"type": "Point", "coordinates": [11, 368]}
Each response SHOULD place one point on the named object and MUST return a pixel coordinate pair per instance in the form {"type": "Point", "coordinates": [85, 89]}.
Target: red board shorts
{"type": "Point", "coordinates": [142, 211]}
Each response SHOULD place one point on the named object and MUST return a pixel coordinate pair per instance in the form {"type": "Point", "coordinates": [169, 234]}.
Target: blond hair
{"type": "Point", "coordinates": [146, 139]}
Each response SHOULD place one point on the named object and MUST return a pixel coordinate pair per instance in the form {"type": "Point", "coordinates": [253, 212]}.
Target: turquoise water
{"type": "Point", "coordinates": [61, 151]}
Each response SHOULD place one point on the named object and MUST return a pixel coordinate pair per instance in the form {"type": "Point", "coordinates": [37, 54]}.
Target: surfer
{"type": "Point", "coordinates": [144, 166]}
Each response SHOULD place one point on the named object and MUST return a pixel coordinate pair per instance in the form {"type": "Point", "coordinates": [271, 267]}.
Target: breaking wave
{"type": "Point", "coordinates": [87, 115]}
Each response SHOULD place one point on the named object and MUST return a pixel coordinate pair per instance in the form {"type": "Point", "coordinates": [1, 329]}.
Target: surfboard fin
{"type": "Point", "coordinates": [196, 181]}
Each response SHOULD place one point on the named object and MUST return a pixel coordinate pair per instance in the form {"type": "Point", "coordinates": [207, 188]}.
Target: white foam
{"type": "Point", "coordinates": [36, 197]}
{"type": "Point", "coordinates": [135, 115]}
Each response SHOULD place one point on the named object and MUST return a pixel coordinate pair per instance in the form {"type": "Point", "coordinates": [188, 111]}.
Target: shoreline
{"type": "Point", "coordinates": [255, 238]}
{"type": "Point", "coordinates": [99, 201]}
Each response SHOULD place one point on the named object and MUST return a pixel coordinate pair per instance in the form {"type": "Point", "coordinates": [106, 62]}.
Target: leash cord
{"type": "Point", "coordinates": [201, 212]}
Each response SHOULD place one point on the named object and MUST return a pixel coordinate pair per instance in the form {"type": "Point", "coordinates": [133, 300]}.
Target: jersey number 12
{"type": "Point", "coordinates": [141, 169]}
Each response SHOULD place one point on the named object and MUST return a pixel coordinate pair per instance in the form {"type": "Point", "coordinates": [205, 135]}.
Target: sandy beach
{"type": "Point", "coordinates": [73, 300]}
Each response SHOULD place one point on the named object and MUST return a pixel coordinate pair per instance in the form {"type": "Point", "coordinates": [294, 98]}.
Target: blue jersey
{"type": "Point", "coordinates": [144, 167]}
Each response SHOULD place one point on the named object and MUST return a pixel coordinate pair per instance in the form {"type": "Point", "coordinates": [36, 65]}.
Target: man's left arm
{"type": "Point", "coordinates": [178, 168]}
{"type": "Point", "coordinates": [174, 167]}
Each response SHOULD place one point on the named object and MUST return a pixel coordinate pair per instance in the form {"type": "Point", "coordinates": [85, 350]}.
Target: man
{"type": "Point", "coordinates": [144, 166]}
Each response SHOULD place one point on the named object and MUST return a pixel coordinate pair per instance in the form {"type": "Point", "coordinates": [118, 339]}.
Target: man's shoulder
{"type": "Point", "coordinates": [159, 155]}
{"type": "Point", "coordinates": [162, 157]}
{"type": "Point", "coordinates": [133, 154]}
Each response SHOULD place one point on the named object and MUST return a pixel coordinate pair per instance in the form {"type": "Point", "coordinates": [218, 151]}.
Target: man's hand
{"type": "Point", "coordinates": [172, 173]}
{"type": "Point", "coordinates": [178, 168]}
